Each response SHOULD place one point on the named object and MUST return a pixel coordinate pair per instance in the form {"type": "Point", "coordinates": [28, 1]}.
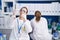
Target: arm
{"type": "Point", "coordinates": [28, 26]}
{"type": "Point", "coordinates": [13, 35]}
{"type": "Point", "coordinates": [46, 28]}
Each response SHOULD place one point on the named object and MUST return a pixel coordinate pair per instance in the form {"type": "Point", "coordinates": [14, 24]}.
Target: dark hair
{"type": "Point", "coordinates": [37, 12]}
{"type": "Point", "coordinates": [25, 8]}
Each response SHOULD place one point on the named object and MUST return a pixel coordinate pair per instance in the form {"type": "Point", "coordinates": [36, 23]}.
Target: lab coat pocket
{"type": "Point", "coordinates": [24, 28]}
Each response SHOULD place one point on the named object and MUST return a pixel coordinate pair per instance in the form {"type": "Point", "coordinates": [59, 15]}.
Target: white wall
{"type": "Point", "coordinates": [46, 9]}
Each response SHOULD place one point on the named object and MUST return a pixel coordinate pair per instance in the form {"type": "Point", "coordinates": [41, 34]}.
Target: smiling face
{"type": "Point", "coordinates": [38, 15]}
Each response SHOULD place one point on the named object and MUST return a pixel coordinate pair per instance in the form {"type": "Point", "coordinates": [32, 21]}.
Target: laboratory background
{"type": "Point", "coordinates": [50, 9]}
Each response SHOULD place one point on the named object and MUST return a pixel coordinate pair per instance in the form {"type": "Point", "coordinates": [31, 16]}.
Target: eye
{"type": "Point", "coordinates": [24, 11]}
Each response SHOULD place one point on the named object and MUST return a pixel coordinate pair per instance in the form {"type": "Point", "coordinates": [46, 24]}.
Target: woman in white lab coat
{"type": "Point", "coordinates": [40, 28]}
{"type": "Point", "coordinates": [21, 26]}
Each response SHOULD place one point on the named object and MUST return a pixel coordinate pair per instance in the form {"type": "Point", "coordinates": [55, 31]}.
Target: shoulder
{"type": "Point", "coordinates": [44, 19]}
{"type": "Point", "coordinates": [33, 19]}
{"type": "Point", "coordinates": [27, 21]}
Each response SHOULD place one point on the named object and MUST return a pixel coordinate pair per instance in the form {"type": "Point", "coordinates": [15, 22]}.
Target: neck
{"type": "Point", "coordinates": [38, 19]}
{"type": "Point", "coordinates": [20, 17]}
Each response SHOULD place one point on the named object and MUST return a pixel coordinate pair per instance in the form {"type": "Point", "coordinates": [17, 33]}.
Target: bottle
{"type": "Point", "coordinates": [56, 35]}
{"type": "Point", "coordinates": [7, 9]}
{"type": "Point", "coordinates": [4, 37]}
{"type": "Point", "coordinates": [1, 36]}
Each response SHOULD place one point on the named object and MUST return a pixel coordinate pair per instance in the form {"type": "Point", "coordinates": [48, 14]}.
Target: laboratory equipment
{"type": "Point", "coordinates": [4, 37]}
{"type": "Point", "coordinates": [1, 36]}
{"type": "Point", "coordinates": [55, 32]}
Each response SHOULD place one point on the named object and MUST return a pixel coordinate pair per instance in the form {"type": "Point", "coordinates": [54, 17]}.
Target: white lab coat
{"type": "Point", "coordinates": [23, 32]}
{"type": "Point", "coordinates": [40, 30]}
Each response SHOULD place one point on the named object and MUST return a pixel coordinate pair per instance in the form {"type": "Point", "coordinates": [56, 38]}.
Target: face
{"type": "Point", "coordinates": [37, 15]}
{"type": "Point", "coordinates": [23, 11]}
